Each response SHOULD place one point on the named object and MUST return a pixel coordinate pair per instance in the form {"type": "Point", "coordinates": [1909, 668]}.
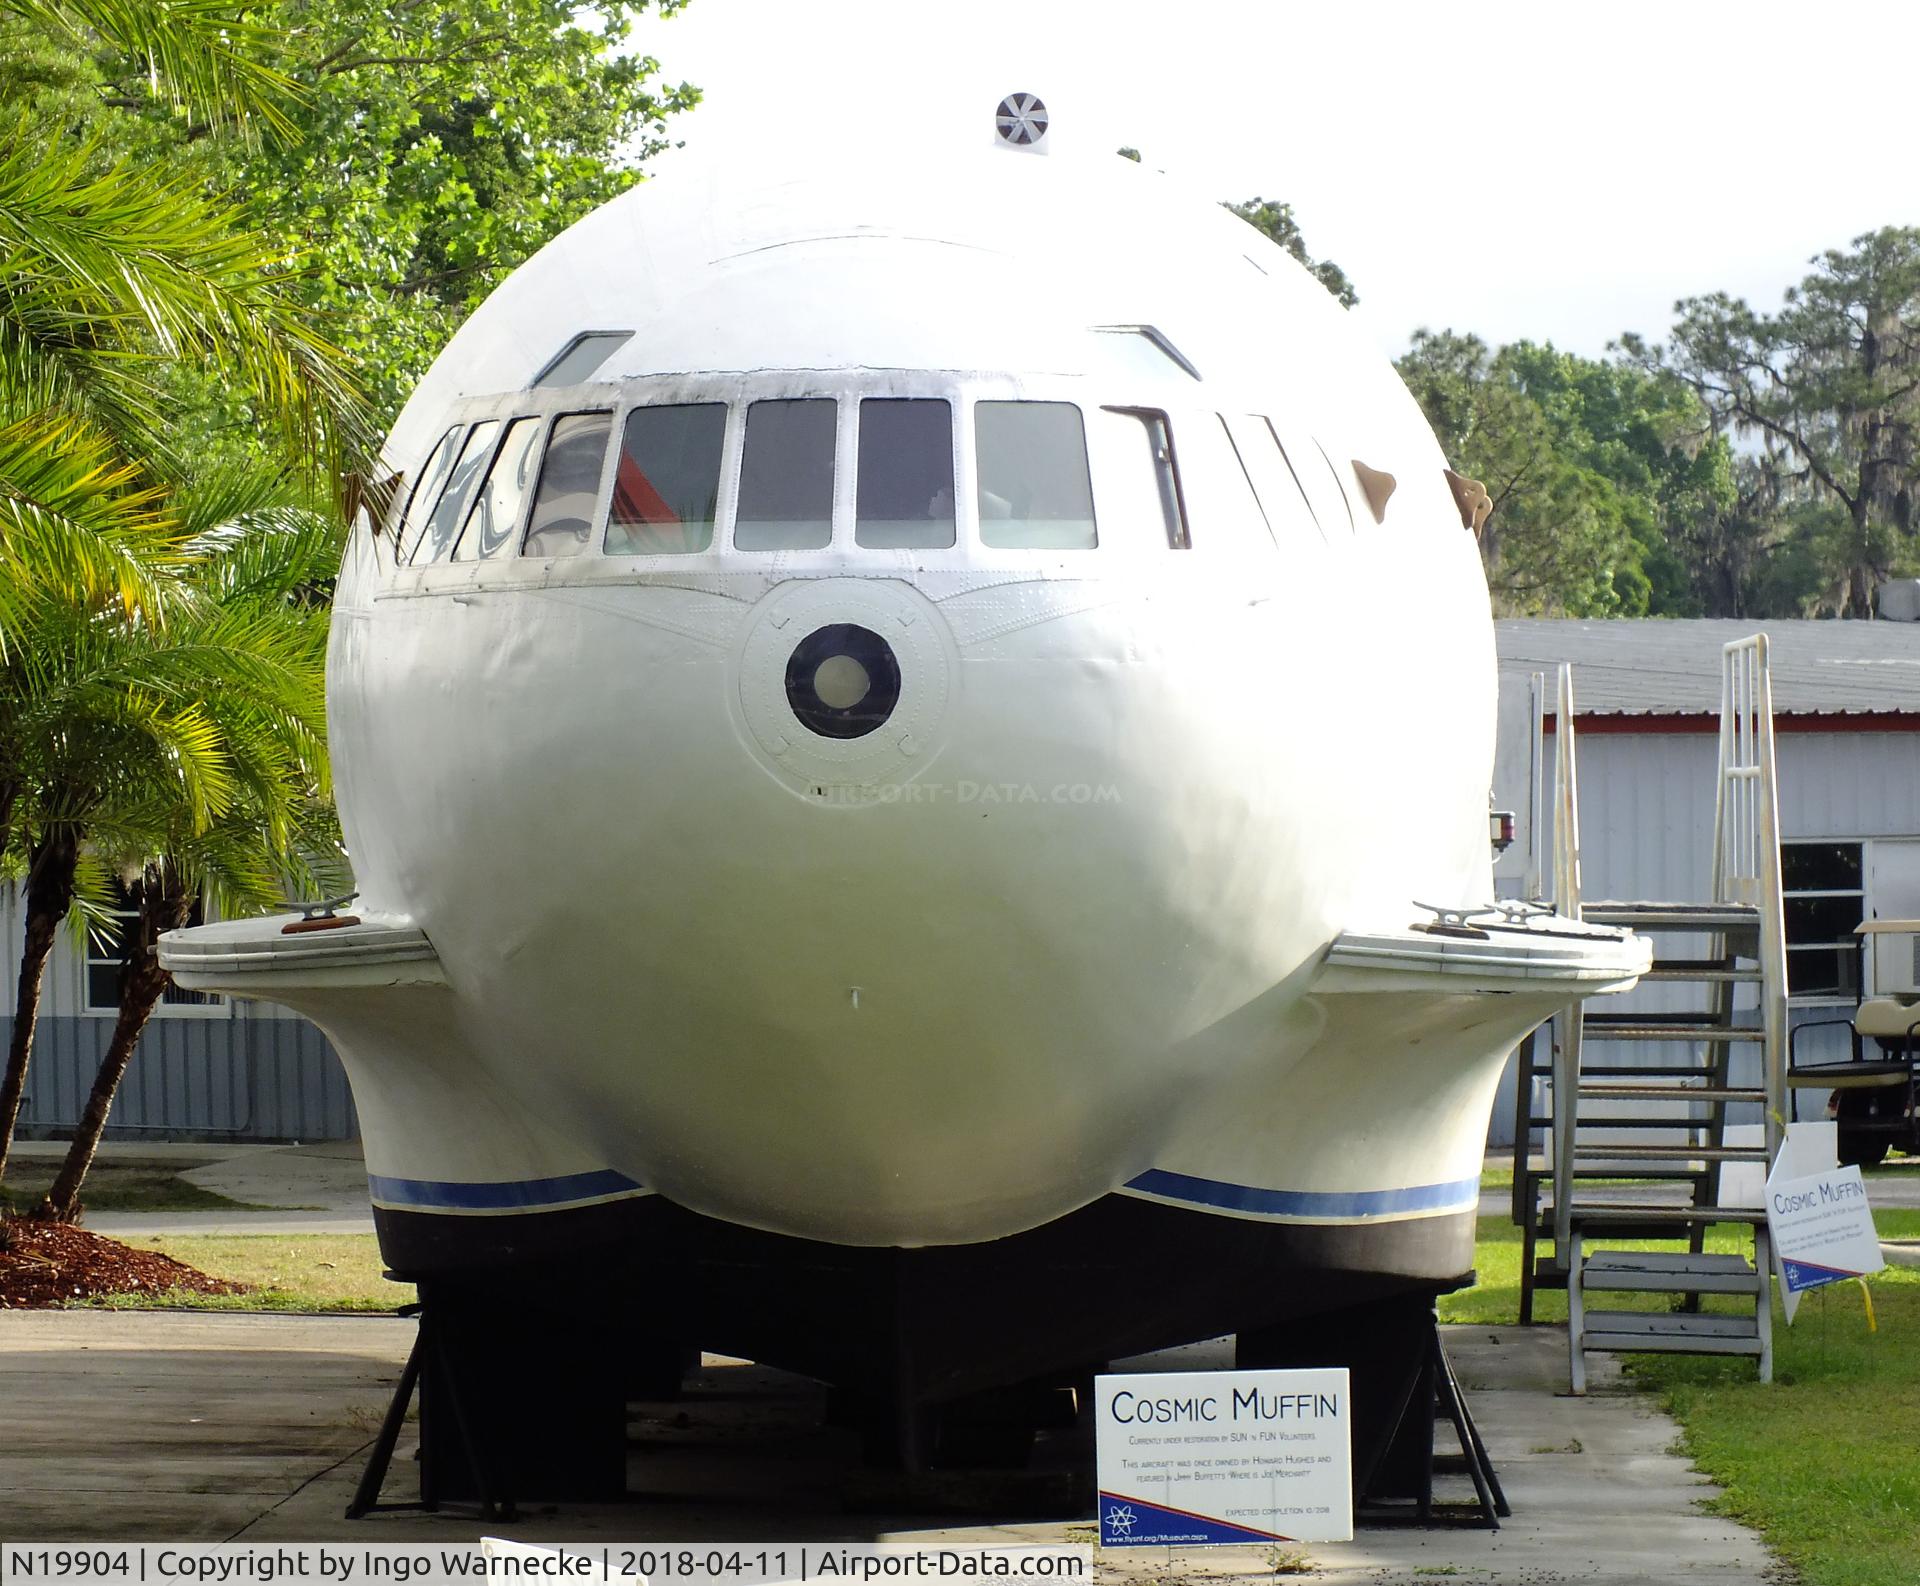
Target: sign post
{"type": "Point", "coordinates": [1215, 1457]}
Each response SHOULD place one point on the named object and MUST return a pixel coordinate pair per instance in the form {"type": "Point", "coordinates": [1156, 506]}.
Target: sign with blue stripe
{"type": "Point", "coordinates": [1215, 1458]}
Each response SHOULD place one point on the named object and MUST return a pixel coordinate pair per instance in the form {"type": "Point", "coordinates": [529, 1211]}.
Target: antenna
{"type": "Point", "coordinates": [1021, 123]}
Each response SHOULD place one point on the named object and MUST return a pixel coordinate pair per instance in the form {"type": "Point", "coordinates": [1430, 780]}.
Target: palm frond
{"type": "Point", "coordinates": [79, 527]}
{"type": "Point", "coordinates": [207, 57]}
{"type": "Point", "coordinates": [140, 256]}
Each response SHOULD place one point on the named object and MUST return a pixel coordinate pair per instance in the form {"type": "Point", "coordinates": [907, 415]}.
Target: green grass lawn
{"type": "Point", "coordinates": [1824, 1461]}
{"type": "Point", "coordinates": [289, 1272]}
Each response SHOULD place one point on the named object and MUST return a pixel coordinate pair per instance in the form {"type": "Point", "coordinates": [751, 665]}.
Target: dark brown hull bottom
{"type": "Point", "coordinates": [545, 1324]}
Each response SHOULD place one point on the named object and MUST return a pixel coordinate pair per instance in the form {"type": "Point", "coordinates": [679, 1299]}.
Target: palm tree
{"type": "Point", "coordinates": [170, 743]}
{"type": "Point", "coordinates": [127, 684]}
{"type": "Point", "coordinates": [277, 830]}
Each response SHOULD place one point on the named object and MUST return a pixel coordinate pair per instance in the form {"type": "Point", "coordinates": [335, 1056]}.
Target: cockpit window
{"type": "Point", "coordinates": [786, 477]}
{"type": "Point", "coordinates": [426, 491]}
{"type": "Point", "coordinates": [1281, 498]}
{"type": "Point", "coordinates": [666, 484]}
{"type": "Point", "coordinates": [581, 356]}
{"type": "Point", "coordinates": [451, 509]}
{"type": "Point", "coordinates": [569, 488]}
{"type": "Point", "coordinates": [1311, 466]}
{"type": "Point", "coordinates": [496, 508]}
{"type": "Point", "coordinates": [905, 493]}
{"type": "Point", "coordinates": [1031, 470]}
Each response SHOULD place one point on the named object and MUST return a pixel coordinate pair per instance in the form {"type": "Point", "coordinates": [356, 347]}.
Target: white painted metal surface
{"type": "Point", "coordinates": [1053, 932]}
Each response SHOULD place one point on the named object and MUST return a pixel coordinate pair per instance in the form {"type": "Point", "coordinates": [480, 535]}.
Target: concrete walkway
{"type": "Point", "coordinates": [141, 1426]}
{"type": "Point", "coordinates": [310, 1189]}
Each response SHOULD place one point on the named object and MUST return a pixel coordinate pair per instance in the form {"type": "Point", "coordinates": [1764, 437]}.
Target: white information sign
{"type": "Point", "coordinates": [1822, 1228]}
{"type": "Point", "coordinates": [1210, 1457]}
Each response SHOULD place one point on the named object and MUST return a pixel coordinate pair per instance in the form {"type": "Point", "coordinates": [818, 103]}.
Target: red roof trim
{"type": "Point", "coordinates": [1703, 722]}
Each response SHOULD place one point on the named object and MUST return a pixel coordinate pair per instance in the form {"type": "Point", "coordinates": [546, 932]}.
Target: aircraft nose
{"type": "Point", "coordinates": [844, 683]}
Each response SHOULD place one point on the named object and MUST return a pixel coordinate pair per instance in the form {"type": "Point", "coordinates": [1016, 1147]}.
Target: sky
{"type": "Point", "coordinates": [1552, 170]}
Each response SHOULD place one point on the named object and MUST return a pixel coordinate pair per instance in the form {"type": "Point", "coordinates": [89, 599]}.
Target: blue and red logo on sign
{"type": "Point", "coordinates": [1133, 1522]}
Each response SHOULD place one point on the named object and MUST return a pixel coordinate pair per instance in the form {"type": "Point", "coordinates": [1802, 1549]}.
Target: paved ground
{"type": "Point", "coordinates": [313, 1189]}
{"type": "Point", "coordinates": [175, 1425]}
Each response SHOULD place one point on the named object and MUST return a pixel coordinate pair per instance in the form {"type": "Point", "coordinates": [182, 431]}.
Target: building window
{"type": "Point", "coordinates": [1826, 901]}
{"type": "Point", "coordinates": [107, 956]}
{"type": "Point", "coordinates": [666, 485]}
{"type": "Point", "coordinates": [904, 500]}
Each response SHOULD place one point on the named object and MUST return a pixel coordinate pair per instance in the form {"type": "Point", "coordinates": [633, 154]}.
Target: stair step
{"type": "Point", "coordinates": [1608, 1152]}
{"type": "Point", "coordinates": [1645, 1070]}
{"type": "Point", "coordinates": [1643, 1121]}
{"type": "Point", "coordinates": [1585, 1213]}
{"type": "Point", "coordinates": [1702, 969]}
{"type": "Point", "coordinates": [1674, 1092]}
{"type": "Point", "coordinates": [1600, 1027]}
{"type": "Point", "coordinates": [1668, 1272]}
{"type": "Point", "coordinates": [1671, 1332]}
{"type": "Point", "coordinates": [1673, 916]}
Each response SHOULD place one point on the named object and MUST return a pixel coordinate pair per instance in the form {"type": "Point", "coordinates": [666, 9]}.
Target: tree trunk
{"type": "Point", "coordinates": [1860, 581]}
{"type": "Point", "coordinates": [164, 906]}
{"type": "Point", "coordinates": [49, 896]}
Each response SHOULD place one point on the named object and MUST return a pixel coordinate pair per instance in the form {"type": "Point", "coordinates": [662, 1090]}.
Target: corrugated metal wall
{"type": "Point", "coordinates": [1646, 832]}
{"type": "Point", "coordinates": [242, 1071]}
{"type": "Point", "coordinates": [241, 1077]}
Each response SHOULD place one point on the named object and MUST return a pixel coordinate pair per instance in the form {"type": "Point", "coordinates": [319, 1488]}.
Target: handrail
{"type": "Point", "coordinates": [1566, 901]}
{"type": "Point", "coordinates": [1746, 846]}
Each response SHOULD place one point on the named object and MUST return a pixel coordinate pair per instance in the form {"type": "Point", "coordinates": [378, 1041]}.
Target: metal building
{"type": "Point", "coordinates": [1846, 699]}
{"type": "Point", "coordinates": [206, 1068]}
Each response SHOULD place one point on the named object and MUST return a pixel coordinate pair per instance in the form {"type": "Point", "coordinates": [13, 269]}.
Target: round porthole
{"type": "Point", "coordinates": [842, 681]}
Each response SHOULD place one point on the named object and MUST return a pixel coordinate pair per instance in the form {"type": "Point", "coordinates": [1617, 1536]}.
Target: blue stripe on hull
{"type": "Point", "coordinates": [515, 1196]}
{"type": "Point", "coordinates": [1306, 1203]}
{"type": "Point", "coordinates": [539, 1194]}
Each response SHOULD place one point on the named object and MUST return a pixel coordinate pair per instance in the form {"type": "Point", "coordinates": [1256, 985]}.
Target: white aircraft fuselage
{"type": "Point", "coordinates": [984, 744]}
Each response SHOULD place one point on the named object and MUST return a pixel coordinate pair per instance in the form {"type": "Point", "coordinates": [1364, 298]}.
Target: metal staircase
{"type": "Point", "coordinates": [1655, 1129]}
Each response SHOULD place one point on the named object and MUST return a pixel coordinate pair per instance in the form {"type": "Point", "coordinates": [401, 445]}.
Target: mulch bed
{"type": "Point", "coordinates": [44, 1264]}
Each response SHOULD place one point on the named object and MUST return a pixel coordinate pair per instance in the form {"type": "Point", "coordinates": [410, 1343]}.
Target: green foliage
{"type": "Point", "coordinates": [438, 145]}
{"type": "Point", "coordinates": [1275, 222]}
{"type": "Point", "coordinates": [1587, 465]}
{"type": "Point", "coordinates": [1826, 395]}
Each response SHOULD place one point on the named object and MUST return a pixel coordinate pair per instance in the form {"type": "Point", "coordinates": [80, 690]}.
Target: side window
{"type": "Point", "coordinates": [1331, 509]}
{"type": "Point", "coordinates": [1148, 473]}
{"type": "Point", "coordinates": [426, 491]}
{"type": "Point", "coordinates": [1030, 468]}
{"type": "Point", "coordinates": [569, 488]}
{"type": "Point", "coordinates": [905, 492]}
{"type": "Point", "coordinates": [1281, 498]}
{"type": "Point", "coordinates": [666, 483]}
{"type": "Point", "coordinates": [451, 509]}
{"type": "Point", "coordinates": [786, 477]}
{"type": "Point", "coordinates": [1217, 491]}
{"type": "Point", "coordinates": [496, 508]}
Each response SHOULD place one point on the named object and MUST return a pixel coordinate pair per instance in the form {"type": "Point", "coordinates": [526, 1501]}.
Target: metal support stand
{"type": "Point", "coordinates": [1408, 1466]}
{"type": "Point", "coordinates": [366, 1497]}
